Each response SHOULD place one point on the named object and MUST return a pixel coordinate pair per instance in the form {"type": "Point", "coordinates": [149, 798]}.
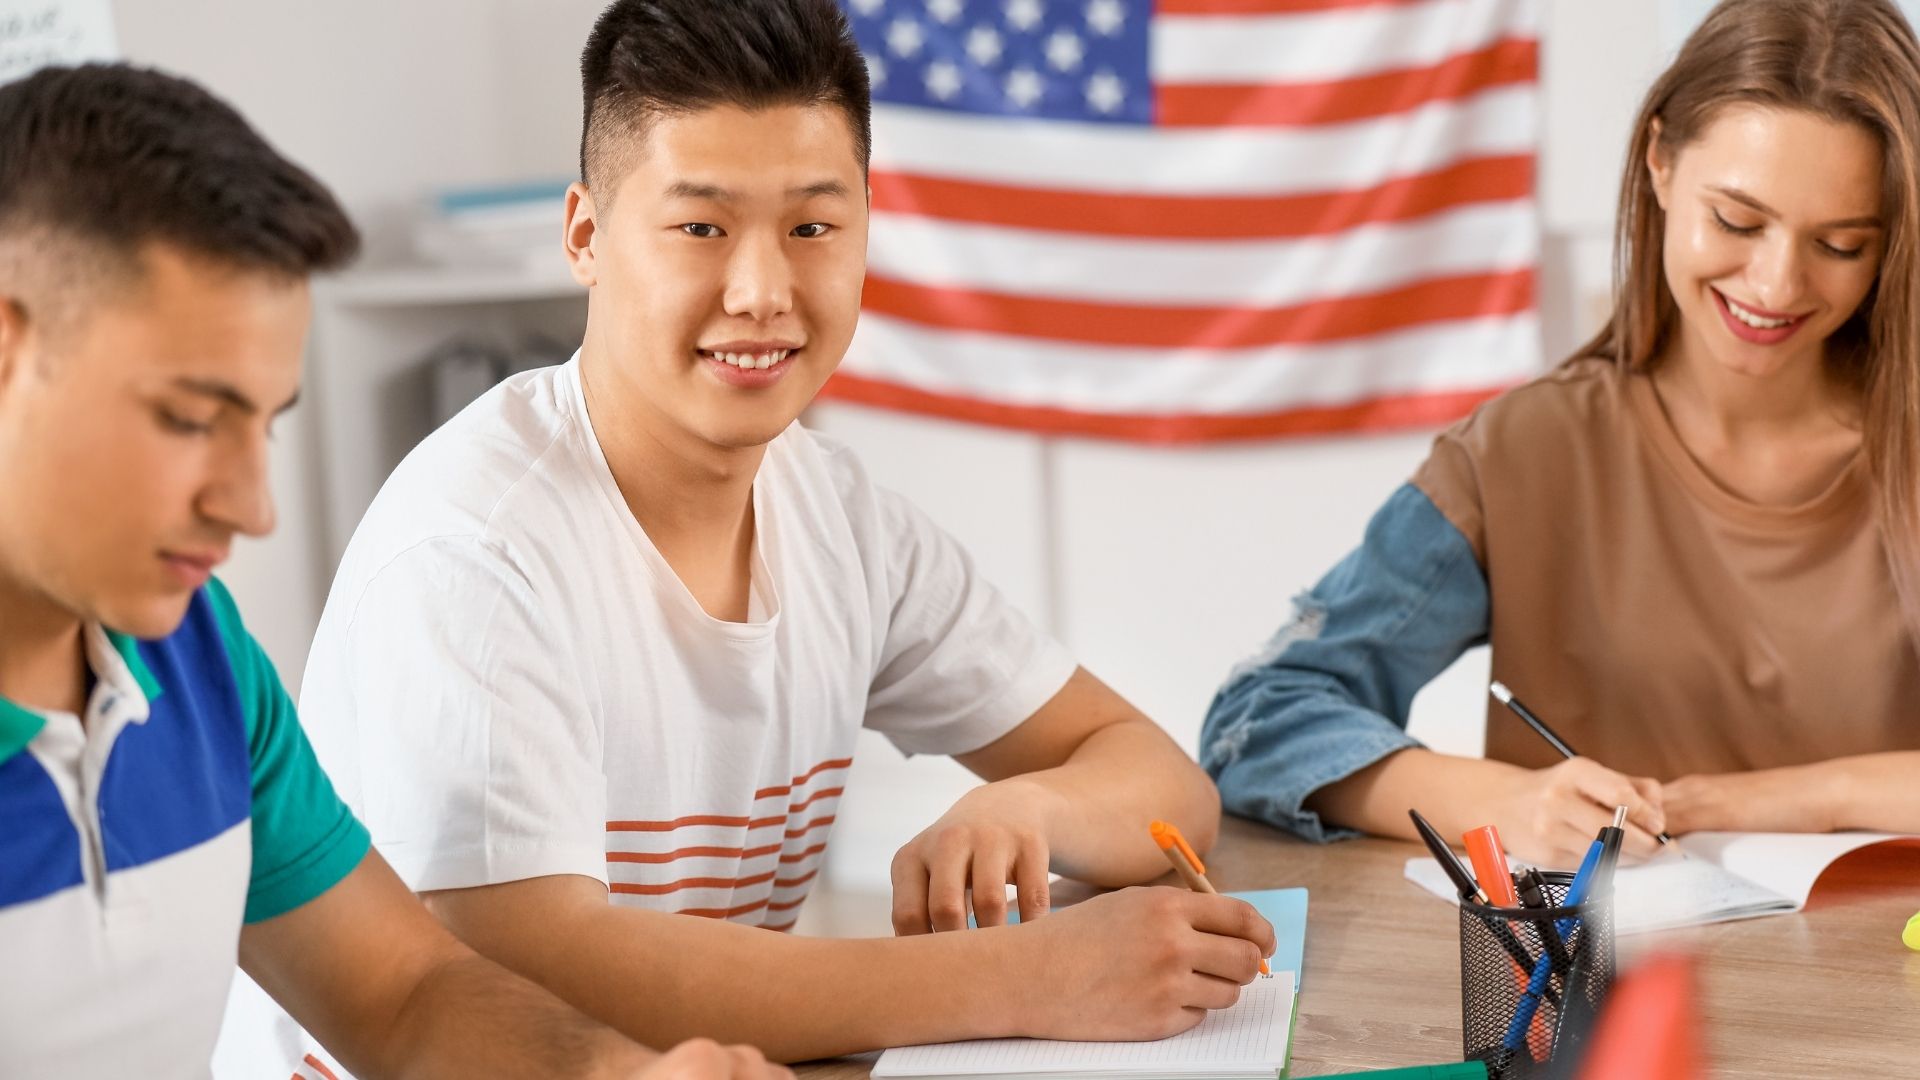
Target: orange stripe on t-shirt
{"type": "Point", "coordinates": [690, 853]}
{"type": "Point", "coordinates": [723, 913]}
{"type": "Point", "coordinates": [315, 1064]}
{"type": "Point", "coordinates": [628, 889]}
{"type": "Point", "coordinates": [737, 821]}
{"type": "Point", "coordinates": [768, 793]}
{"type": "Point", "coordinates": [805, 852]}
{"type": "Point", "coordinates": [790, 882]}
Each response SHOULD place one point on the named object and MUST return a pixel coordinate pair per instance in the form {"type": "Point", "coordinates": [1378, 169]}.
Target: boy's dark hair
{"type": "Point", "coordinates": [115, 157]}
{"type": "Point", "coordinates": [647, 57]}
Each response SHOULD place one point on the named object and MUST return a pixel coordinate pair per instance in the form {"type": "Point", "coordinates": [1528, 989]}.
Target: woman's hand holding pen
{"type": "Point", "coordinates": [1549, 816]}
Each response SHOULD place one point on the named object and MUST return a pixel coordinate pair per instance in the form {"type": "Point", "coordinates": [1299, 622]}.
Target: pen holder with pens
{"type": "Point", "coordinates": [1531, 979]}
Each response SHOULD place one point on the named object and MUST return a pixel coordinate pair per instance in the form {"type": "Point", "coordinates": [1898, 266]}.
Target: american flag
{"type": "Point", "coordinates": [1189, 220]}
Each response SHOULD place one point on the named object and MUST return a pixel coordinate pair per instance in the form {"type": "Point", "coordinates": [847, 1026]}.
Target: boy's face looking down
{"type": "Point", "coordinates": [134, 431]}
{"type": "Point", "coordinates": [726, 272]}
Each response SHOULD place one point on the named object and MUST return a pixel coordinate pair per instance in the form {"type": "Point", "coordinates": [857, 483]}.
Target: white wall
{"type": "Point", "coordinates": [1158, 567]}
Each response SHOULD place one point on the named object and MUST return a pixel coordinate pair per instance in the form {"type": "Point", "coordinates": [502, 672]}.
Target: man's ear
{"type": "Point", "coordinates": [13, 340]}
{"type": "Point", "coordinates": [578, 236]}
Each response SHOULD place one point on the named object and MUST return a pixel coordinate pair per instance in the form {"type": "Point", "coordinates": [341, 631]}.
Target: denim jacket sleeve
{"type": "Point", "coordinates": [1329, 695]}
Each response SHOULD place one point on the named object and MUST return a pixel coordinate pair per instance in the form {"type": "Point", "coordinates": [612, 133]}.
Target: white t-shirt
{"type": "Point", "coordinates": [509, 681]}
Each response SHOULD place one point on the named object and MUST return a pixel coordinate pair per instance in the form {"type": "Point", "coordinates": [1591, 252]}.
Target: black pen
{"type": "Point", "coordinates": [1505, 697]}
{"type": "Point", "coordinates": [1443, 854]}
{"type": "Point", "coordinates": [1471, 890]}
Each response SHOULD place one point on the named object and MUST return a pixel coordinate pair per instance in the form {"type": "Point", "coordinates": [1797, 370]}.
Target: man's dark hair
{"type": "Point", "coordinates": [649, 57]}
{"type": "Point", "coordinates": [116, 157]}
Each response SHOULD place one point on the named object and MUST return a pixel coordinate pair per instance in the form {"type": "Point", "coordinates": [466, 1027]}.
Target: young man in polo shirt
{"type": "Point", "coordinates": [597, 656]}
{"type": "Point", "coordinates": [156, 792]}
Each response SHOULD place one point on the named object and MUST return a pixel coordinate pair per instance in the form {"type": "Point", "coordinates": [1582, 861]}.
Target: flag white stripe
{"type": "Point", "coordinates": [1463, 355]}
{"type": "Point", "coordinates": [1112, 158]}
{"type": "Point", "coordinates": [1233, 273]}
{"type": "Point", "coordinates": [1326, 46]}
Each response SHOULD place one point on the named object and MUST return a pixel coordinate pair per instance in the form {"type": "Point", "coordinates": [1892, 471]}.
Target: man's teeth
{"type": "Point", "coordinates": [1753, 320]}
{"type": "Point", "coordinates": [752, 361]}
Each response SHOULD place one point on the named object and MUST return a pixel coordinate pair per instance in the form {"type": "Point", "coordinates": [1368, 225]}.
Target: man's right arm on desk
{"type": "Point", "coordinates": [1142, 963]}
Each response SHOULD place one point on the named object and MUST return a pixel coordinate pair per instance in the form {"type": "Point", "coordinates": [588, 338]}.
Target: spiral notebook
{"type": "Point", "coordinates": [1248, 1041]}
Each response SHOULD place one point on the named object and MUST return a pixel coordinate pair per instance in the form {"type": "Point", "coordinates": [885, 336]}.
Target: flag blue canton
{"type": "Point", "coordinates": [1059, 59]}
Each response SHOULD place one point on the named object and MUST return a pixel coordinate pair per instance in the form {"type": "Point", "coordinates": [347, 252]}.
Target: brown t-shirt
{"type": "Point", "coordinates": [1659, 623]}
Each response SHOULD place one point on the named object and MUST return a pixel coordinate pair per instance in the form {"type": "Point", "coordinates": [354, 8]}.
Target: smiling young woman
{"type": "Point", "coordinates": [1695, 546]}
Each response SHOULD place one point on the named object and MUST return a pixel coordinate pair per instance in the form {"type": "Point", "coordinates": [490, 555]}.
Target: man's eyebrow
{"type": "Point", "coordinates": [1869, 221]}
{"type": "Point", "coordinates": [225, 392]}
{"type": "Point", "coordinates": [687, 189]}
{"type": "Point", "coordinates": [818, 189]}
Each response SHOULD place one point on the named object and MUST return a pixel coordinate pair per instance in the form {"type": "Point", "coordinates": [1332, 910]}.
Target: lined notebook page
{"type": "Point", "coordinates": [1249, 1039]}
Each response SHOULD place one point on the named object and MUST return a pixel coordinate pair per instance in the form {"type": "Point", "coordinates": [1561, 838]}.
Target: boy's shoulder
{"type": "Point", "coordinates": [496, 468]}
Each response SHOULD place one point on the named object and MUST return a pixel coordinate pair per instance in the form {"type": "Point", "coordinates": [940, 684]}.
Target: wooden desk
{"type": "Point", "coordinates": [1829, 992]}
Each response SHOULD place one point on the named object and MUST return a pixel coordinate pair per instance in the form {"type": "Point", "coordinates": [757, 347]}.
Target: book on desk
{"type": "Point", "coordinates": [1722, 877]}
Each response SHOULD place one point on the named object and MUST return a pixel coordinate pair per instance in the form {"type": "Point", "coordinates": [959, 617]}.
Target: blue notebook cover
{"type": "Point", "coordinates": [1286, 909]}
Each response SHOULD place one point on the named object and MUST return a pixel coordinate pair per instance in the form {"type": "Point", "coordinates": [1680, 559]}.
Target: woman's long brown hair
{"type": "Point", "coordinates": [1851, 61]}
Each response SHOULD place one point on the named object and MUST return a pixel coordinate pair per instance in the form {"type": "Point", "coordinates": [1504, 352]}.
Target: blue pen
{"type": "Point", "coordinates": [1516, 1039]}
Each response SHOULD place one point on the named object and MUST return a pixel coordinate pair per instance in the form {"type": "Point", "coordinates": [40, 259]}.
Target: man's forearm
{"type": "Point", "coordinates": [451, 1026]}
{"type": "Point", "coordinates": [1376, 799]}
{"type": "Point", "coordinates": [1117, 781]}
{"type": "Point", "coordinates": [663, 978]}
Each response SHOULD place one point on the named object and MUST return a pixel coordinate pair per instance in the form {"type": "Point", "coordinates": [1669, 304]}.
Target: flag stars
{"type": "Point", "coordinates": [984, 45]}
{"type": "Point", "coordinates": [869, 8]}
{"type": "Point", "coordinates": [876, 71]}
{"type": "Point", "coordinates": [1106, 16]}
{"type": "Point", "coordinates": [1024, 15]}
{"type": "Point", "coordinates": [1106, 92]}
{"type": "Point", "coordinates": [946, 11]}
{"type": "Point", "coordinates": [905, 37]}
{"type": "Point", "coordinates": [1065, 51]}
{"type": "Point", "coordinates": [1025, 87]}
{"type": "Point", "coordinates": [943, 80]}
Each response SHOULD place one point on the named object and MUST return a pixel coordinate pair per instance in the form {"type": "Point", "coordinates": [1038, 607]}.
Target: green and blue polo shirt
{"type": "Point", "coordinates": [134, 846]}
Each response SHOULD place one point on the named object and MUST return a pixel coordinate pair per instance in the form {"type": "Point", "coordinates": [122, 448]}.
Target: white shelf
{"type": "Point", "coordinates": [414, 286]}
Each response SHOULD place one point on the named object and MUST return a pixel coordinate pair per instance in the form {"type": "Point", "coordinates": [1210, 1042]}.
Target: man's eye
{"type": "Point", "coordinates": [702, 230]}
{"type": "Point", "coordinates": [812, 230]}
{"type": "Point", "coordinates": [181, 425]}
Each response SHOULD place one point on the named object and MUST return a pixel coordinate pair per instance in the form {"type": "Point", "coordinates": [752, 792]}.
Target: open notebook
{"type": "Point", "coordinates": [1724, 876]}
{"type": "Point", "coordinates": [1246, 1042]}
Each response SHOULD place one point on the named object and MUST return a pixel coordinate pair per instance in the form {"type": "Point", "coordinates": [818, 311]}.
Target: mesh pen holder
{"type": "Point", "coordinates": [1495, 987]}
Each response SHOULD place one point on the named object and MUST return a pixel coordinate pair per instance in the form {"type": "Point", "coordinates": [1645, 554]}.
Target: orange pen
{"type": "Point", "coordinates": [1186, 863]}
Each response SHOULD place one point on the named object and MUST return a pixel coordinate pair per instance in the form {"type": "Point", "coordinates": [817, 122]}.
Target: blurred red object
{"type": "Point", "coordinates": [1650, 1028]}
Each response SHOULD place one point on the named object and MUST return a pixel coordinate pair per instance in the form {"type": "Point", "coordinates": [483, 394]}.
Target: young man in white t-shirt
{"type": "Point", "coordinates": [597, 656]}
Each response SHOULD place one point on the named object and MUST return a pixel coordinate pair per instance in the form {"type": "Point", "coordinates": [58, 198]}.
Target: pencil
{"type": "Point", "coordinates": [1505, 697]}
{"type": "Point", "coordinates": [1186, 863]}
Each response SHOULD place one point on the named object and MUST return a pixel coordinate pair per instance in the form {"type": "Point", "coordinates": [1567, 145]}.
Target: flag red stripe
{"type": "Point", "coordinates": [1207, 217]}
{"type": "Point", "coordinates": [1504, 63]}
{"type": "Point", "coordinates": [1374, 414]}
{"type": "Point", "coordinates": [1269, 7]}
{"type": "Point", "coordinates": [1094, 323]}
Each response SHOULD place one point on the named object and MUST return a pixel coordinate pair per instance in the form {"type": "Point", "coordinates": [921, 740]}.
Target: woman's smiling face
{"type": "Point", "coordinates": [1773, 234]}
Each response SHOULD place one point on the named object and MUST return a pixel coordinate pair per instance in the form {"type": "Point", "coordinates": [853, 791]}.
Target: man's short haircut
{"type": "Point", "coordinates": [651, 57]}
{"type": "Point", "coordinates": [99, 161]}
